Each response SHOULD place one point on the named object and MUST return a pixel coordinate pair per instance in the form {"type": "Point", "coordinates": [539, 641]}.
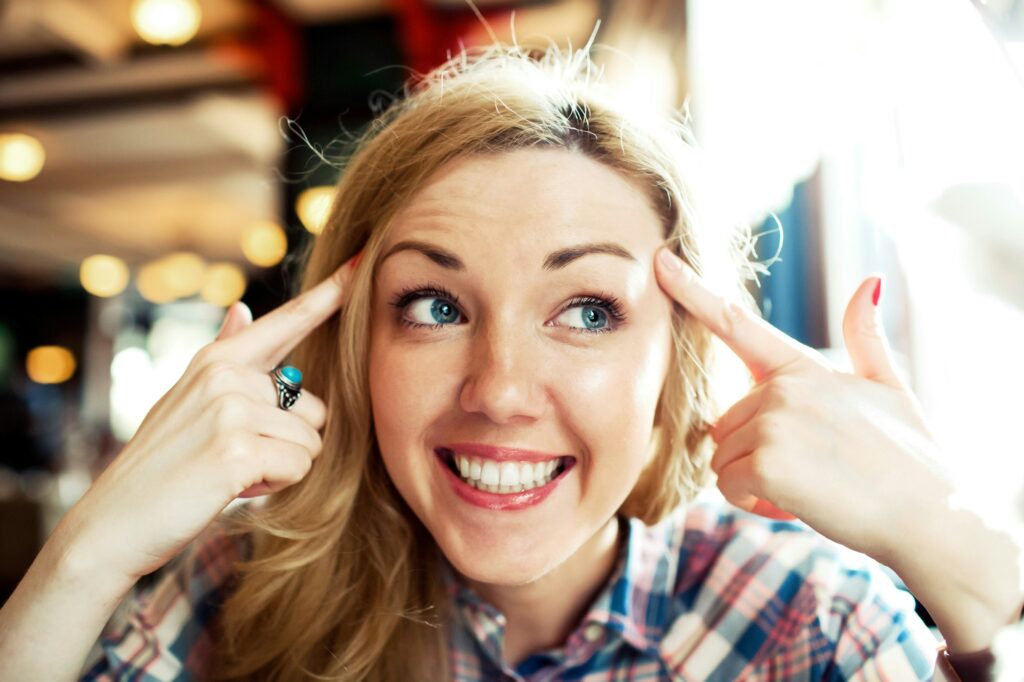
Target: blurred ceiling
{"type": "Point", "coordinates": [151, 149]}
{"type": "Point", "coordinates": [148, 149]}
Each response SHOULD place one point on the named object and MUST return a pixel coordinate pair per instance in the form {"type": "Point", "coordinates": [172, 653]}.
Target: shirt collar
{"type": "Point", "coordinates": [637, 599]}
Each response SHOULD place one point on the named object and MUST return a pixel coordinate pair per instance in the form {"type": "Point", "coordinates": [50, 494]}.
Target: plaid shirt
{"type": "Point", "coordinates": [710, 593]}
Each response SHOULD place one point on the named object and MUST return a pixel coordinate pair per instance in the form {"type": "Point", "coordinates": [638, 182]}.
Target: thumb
{"type": "Point", "coordinates": [237, 317]}
{"type": "Point", "coordinates": [870, 353]}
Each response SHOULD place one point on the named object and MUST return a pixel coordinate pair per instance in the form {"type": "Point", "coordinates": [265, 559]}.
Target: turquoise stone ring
{"type": "Point", "coordinates": [289, 385]}
{"type": "Point", "coordinates": [292, 374]}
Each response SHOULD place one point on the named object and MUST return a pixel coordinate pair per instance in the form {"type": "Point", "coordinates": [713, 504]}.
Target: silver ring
{"type": "Point", "coordinates": [289, 386]}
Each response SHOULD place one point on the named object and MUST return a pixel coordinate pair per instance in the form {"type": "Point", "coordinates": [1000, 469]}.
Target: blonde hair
{"type": "Point", "coordinates": [343, 582]}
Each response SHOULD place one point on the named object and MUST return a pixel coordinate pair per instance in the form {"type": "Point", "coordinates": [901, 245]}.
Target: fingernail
{"type": "Point", "coordinates": [355, 259]}
{"type": "Point", "coordinates": [224, 322]}
{"type": "Point", "coordinates": [878, 292]}
{"type": "Point", "coordinates": [670, 260]}
{"type": "Point", "coordinates": [245, 311]}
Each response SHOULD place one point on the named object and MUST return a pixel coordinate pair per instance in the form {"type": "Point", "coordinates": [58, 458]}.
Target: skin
{"type": "Point", "coordinates": [851, 454]}
{"type": "Point", "coordinates": [514, 367]}
{"type": "Point", "coordinates": [848, 453]}
{"type": "Point", "coordinates": [803, 427]}
{"type": "Point", "coordinates": [218, 434]}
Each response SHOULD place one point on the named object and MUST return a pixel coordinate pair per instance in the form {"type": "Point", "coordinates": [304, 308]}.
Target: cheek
{"type": "Point", "coordinates": [611, 401]}
{"type": "Point", "coordinates": [607, 399]}
{"type": "Point", "coordinates": [398, 399]}
{"type": "Point", "coordinates": [407, 396]}
{"type": "Point", "coordinates": [406, 385]}
{"type": "Point", "coordinates": [624, 382]}
{"type": "Point", "coordinates": [651, 368]}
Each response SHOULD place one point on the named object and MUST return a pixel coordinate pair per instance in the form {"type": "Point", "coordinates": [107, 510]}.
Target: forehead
{"type": "Point", "coordinates": [526, 201]}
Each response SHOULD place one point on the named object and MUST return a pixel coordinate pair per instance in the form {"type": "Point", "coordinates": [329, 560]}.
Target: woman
{"type": "Point", "coordinates": [491, 465]}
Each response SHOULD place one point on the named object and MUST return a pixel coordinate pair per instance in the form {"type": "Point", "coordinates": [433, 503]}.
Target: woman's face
{"type": "Point", "coordinates": [494, 327]}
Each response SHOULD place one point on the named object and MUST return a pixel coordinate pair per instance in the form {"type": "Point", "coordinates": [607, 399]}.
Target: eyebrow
{"type": "Point", "coordinates": [555, 260]}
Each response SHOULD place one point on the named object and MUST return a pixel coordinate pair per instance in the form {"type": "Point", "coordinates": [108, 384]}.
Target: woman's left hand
{"type": "Point", "coordinates": [852, 457]}
{"type": "Point", "coordinates": [848, 454]}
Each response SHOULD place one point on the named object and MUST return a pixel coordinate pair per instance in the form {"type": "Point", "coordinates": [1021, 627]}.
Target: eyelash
{"type": "Point", "coordinates": [610, 304]}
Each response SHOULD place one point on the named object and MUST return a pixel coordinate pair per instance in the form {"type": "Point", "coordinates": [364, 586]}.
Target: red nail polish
{"type": "Point", "coordinates": [355, 259]}
{"type": "Point", "coordinates": [878, 292]}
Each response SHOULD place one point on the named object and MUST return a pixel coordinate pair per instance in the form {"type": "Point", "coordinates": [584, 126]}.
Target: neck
{"type": "Point", "coordinates": [543, 613]}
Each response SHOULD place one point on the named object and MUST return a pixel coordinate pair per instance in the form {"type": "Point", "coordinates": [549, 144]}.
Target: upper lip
{"type": "Point", "coordinates": [500, 453]}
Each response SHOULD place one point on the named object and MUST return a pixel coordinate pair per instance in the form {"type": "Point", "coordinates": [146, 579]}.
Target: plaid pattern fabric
{"type": "Point", "coordinates": [710, 593]}
{"type": "Point", "coordinates": [159, 631]}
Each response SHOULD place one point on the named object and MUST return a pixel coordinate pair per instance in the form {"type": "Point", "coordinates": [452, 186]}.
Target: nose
{"type": "Point", "coordinates": [504, 367]}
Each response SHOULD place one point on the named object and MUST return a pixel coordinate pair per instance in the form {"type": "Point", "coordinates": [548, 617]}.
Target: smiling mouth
{"type": "Point", "coordinates": [503, 477]}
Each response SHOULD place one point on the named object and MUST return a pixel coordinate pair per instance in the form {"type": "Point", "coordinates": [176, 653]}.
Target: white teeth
{"type": "Point", "coordinates": [504, 477]}
{"type": "Point", "coordinates": [540, 471]}
{"type": "Point", "coordinates": [509, 475]}
{"type": "Point", "coordinates": [526, 474]}
{"type": "Point", "coordinates": [489, 473]}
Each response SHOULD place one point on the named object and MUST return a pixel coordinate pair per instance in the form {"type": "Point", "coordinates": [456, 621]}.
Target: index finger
{"type": "Point", "coordinates": [270, 338]}
{"type": "Point", "coordinates": [763, 349]}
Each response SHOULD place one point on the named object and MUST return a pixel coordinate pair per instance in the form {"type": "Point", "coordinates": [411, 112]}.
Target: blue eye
{"type": "Point", "coordinates": [436, 307]}
{"type": "Point", "coordinates": [438, 312]}
{"type": "Point", "coordinates": [443, 306]}
{"type": "Point", "coordinates": [594, 317]}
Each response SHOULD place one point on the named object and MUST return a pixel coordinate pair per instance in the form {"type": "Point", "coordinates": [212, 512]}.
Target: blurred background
{"type": "Point", "coordinates": [159, 160]}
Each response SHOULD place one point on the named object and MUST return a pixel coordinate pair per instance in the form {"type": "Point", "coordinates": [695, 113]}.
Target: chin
{"type": "Point", "coordinates": [502, 563]}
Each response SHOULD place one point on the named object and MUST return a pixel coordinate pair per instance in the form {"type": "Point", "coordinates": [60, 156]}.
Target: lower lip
{"type": "Point", "coordinates": [501, 501]}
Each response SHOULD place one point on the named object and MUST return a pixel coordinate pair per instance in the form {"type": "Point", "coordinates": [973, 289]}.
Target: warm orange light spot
{"type": "Point", "coordinates": [49, 364]}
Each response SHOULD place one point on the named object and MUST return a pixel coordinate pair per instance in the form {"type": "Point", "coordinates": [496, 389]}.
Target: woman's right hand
{"type": "Point", "coordinates": [218, 434]}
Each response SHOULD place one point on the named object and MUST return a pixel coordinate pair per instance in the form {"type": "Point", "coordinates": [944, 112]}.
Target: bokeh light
{"type": "Point", "coordinates": [264, 243]}
{"type": "Point", "coordinates": [183, 272]}
{"type": "Point", "coordinates": [313, 205]}
{"type": "Point", "coordinates": [131, 390]}
{"type": "Point", "coordinates": [21, 157]}
{"type": "Point", "coordinates": [152, 282]}
{"type": "Point", "coordinates": [104, 276]}
{"type": "Point", "coordinates": [49, 364]}
{"type": "Point", "coordinates": [174, 276]}
{"type": "Point", "coordinates": [166, 22]}
{"type": "Point", "coordinates": [223, 284]}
